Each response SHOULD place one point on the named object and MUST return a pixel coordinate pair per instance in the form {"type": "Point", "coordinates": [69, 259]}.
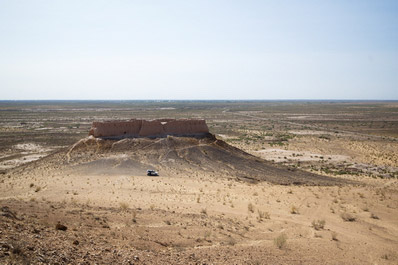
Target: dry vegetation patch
{"type": "Point", "coordinates": [280, 241]}
{"type": "Point", "coordinates": [348, 217]}
{"type": "Point", "coordinates": [318, 224]}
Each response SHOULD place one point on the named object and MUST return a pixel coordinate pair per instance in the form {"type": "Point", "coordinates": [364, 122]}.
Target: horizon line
{"type": "Point", "coordinates": [320, 99]}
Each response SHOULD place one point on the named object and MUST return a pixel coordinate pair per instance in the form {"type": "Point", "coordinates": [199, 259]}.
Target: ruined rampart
{"type": "Point", "coordinates": [149, 128]}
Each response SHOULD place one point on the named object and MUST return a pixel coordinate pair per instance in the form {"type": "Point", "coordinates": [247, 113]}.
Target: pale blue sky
{"type": "Point", "coordinates": [198, 49]}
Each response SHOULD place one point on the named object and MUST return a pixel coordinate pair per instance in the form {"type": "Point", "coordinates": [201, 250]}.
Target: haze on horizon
{"type": "Point", "coordinates": [198, 49]}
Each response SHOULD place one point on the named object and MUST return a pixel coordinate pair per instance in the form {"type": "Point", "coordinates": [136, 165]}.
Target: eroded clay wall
{"type": "Point", "coordinates": [186, 127]}
{"type": "Point", "coordinates": [116, 128]}
{"type": "Point", "coordinates": [149, 128]}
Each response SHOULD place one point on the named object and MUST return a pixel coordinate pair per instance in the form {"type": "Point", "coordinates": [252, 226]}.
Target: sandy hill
{"type": "Point", "coordinates": [188, 156]}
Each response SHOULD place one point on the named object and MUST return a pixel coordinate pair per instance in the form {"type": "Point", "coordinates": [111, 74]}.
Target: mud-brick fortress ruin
{"type": "Point", "coordinates": [135, 128]}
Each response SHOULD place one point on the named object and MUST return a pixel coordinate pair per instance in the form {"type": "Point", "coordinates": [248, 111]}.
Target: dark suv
{"type": "Point", "coordinates": [150, 172]}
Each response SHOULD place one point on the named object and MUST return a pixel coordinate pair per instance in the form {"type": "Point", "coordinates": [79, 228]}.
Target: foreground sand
{"type": "Point", "coordinates": [194, 219]}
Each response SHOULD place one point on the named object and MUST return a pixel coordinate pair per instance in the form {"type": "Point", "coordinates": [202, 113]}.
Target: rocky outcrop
{"type": "Point", "coordinates": [149, 128]}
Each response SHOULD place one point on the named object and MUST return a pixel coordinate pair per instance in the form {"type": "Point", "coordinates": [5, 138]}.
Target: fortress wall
{"type": "Point", "coordinates": [149, 128]}
{"type": "Point", "coordinates": [116, 128]}
{"type": "Point", "coordinates": [186, 127]}
{"type": "Point", "coordinates": [165, 120]}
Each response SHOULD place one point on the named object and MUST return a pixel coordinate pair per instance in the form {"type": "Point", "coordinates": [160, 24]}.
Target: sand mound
{"type": "Point", "coordinates": [187, 156]}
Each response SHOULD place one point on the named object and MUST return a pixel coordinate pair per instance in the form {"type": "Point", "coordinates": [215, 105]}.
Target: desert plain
{"type": "Point", "coordinates": [277, 182]}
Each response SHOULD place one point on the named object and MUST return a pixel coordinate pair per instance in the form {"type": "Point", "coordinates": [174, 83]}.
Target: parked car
{"type": "Point", "coordinates": [151, 172]}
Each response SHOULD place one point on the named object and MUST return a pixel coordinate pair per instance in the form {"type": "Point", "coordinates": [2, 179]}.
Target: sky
{"type": "Point", "coordinates": [198, 49]}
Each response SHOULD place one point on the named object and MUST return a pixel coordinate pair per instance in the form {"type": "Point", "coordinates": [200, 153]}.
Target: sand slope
{"type": "Point", "coordinates": [211, 204]}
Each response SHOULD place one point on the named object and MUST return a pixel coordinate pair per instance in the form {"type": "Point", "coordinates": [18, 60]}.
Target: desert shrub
{"type": "Point", "coordinates": [134, 219]}
{"type": "Point", "coordinates": [263, 215]}
{"type": "Point", "coordinates": [372, 215]}
{"type": "Point", "coordinates": [318, 224]}
{"type": "Point", "coordinates": [207, 235]}
{"type": "Point", "coordinates": [280, 241]}
{"type": "Point", "coordinates": [17, 255]}
{"type": "Point", "coordinates": [124, 206]}
{"type": "Point", "coordinates": [294, 210]}
{"type": "Point", "coordinates": [324, 137]}
{"type": "Point", "coordinates": [334, 236]}
{"type": "Point", "coordinates": [203, 211]}
{"type": "Point", "coordinates": [250, 207]}
{"type": "Point", "coordinates": [231, 241]}
{"type": "Point", "coordinates": [348, 217]}
{"type": "Point", "coordinates": [389, 256]}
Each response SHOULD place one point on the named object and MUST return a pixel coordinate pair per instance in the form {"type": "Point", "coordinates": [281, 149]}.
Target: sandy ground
{"type": "Point", "coordinates": [202, 211]}
{"type": "Point", "coordinates": [197, 218]}
{"type": "Point", "coordinates": [281, 155]}
{"type": "Point", "coordinates": [21, 154]}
